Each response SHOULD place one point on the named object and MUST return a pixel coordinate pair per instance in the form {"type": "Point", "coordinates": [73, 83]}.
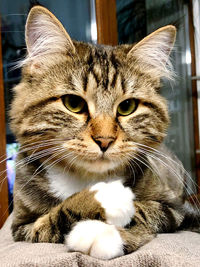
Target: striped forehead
{"type": "Point", "coordinates": [103, 81]}
{"type": "Point", "coordinates": [104, 68]}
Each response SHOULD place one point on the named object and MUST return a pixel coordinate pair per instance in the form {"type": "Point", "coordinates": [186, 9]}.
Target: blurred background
{"type": "Point", "coordinates": [110, 22]}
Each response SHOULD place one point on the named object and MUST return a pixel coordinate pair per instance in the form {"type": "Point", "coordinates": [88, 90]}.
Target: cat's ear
{"type": "Point", "coordinates": [152, 53]}
{"type": "Point", "coordinates": [45, 34]}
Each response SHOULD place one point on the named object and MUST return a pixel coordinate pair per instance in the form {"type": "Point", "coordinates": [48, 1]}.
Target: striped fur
{"type": "Point", "coordinates": [60, 160]}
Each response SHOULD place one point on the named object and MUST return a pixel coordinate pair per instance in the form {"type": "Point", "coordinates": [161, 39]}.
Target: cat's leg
{"type": "Point", "coordinates": [151, 217]}
{"type": "Point", "coordinates": [105, 241]}
{"type": "Point", "coordinates": [104, 221]}
{"type": "Point", "coordinates": [108, 202]}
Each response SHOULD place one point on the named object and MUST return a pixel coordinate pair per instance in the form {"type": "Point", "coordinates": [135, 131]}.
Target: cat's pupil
{"type": "Point", "coordinates": [74, 101]}
{"type": "Point", "coordinates": [125, 105]}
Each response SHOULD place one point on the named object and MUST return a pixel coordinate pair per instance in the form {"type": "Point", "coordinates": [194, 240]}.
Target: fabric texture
{"type": "Point", "coordinates": [177, 249]}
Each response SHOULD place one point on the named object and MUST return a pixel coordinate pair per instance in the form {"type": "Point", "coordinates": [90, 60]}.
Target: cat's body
{"type": "Point", "coordinates": [92, 171]}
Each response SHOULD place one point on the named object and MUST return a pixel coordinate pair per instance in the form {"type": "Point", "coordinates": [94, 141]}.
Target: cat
{"type": "Point", "coordinates": [93, 172]}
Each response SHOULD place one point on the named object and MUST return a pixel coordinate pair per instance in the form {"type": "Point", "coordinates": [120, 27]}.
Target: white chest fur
{"type": "Point", "coordinates": [64, 184]}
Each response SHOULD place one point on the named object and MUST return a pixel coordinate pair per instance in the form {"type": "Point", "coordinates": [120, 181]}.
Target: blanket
{"type": "Point", "coordinates": [176, 249]}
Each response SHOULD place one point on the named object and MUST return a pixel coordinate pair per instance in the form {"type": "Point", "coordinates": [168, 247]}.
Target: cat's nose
{"type": "Point", "coordinates": [103, 142]}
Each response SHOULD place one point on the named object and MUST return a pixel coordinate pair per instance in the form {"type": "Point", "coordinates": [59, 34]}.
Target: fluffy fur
{"type": "Point", "coordinates": [70, 164]}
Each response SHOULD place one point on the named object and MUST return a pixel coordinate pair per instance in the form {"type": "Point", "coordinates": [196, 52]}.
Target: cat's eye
{"type": "Point", "coordinates": [74, 103]}
{"type": "Point", "coordinates": [127, 107]}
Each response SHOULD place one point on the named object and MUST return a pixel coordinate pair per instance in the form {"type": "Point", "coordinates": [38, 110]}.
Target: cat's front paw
{"type": "Point", "coordinates": [95, 238]}
{"type": "Point", "coordinates": [43, 230]}
{"type": "Point", "coordinates": [40, 230]}
{"type": "Point", "coordinates": [117, 201]}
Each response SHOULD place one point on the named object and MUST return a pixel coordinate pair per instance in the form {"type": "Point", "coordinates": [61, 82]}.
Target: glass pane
{"type": "Point", "coordinates": [138, 18]}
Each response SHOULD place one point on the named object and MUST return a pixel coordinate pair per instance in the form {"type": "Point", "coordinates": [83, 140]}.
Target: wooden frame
{"type": "Point", "coordinates": [194, 95]}
{"type": "Point", "coordinates": [106, 19]}
{"type": "Point", "coordinates": [3, 181]}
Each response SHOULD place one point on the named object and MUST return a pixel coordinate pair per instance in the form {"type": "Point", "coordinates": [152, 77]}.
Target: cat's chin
{"type": "Point", "coordinates": [98, 166]}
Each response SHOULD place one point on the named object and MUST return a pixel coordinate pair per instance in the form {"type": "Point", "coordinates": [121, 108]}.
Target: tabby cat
{"type": "Point", "coordinates": [92, 171]}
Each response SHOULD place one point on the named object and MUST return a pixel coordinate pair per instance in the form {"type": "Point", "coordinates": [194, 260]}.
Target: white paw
{"type": "Point", "coordinates": [117, 201]}
{"type": "Point", "coordinates": [96, 239]}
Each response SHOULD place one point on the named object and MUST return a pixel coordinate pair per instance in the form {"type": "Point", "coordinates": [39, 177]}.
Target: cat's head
{"type": "Point", "coordinates": [92, 106]}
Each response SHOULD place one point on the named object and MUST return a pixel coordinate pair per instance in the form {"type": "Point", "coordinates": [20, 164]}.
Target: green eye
{"type": "Point", "coordinates": [127, 107]}
{"type": "Point", "coordinates": [74, 103]}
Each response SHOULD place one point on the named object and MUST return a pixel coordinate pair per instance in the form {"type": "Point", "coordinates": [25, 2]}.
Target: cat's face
{"type": "Point", "coordinates": [92, 105]}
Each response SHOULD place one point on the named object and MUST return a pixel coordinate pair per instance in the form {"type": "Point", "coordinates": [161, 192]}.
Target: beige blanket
{"type": "Point", "coordinates": [179, 249]}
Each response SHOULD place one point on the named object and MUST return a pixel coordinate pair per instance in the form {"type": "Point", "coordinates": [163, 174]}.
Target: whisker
{"type": "Point", "coordinates": [29, 147]}
{"type": "Point", "coordinates": [176, 175]}
{"type": "Point", "coordinates": [20, 164]}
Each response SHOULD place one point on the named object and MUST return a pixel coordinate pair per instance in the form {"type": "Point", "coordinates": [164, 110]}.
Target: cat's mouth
{"type": "Point", "coordinates": [95, 161]}
{"type": "Point", "coordinates": [100, 164]}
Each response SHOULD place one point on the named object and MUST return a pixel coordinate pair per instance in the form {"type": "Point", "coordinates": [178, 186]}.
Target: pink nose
{"type": "Point", "coordinates": [103, 142]}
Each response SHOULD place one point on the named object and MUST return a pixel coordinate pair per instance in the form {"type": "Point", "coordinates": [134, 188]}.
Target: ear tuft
{"type": "Point", "coordinates": [45, 34]}
{"type": "Point", "coordinates": [153, 52]}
